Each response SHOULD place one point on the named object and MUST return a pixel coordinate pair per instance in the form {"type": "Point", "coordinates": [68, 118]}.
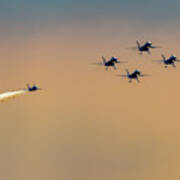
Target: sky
{"type": "Point", "coordinates": [87, 123]}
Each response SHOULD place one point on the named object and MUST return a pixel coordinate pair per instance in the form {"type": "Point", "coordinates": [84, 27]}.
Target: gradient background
{"type": "Point", "coordinates": [87, 123]}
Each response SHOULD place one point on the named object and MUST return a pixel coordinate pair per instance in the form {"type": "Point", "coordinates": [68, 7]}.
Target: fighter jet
{"type": "Point", "coordinates": [170, 61]}
{"type": "Point", "coordinates": [110, 63]}
{"type": "Point", "coordinates": [115, 60]}
{"type": "Point", "coordinates": [145, 47]}
{"type": "Point", "coordinates": [135, 75]}
{"type": "Point", "coordinates": [33, 88]}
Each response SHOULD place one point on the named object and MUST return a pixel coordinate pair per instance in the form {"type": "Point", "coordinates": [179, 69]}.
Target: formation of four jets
{"type": "Point", "coordinates": [136, 74]}
{"type": "Point", "coordinates": [141, 48]}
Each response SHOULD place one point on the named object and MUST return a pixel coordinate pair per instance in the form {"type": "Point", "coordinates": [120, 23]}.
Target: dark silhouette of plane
{"type": "Point", "coordinates": [115, 60]}
{"type": "Point", "coordinates": [33, 88]}
{"type": "Point", "coordinates": [110, 63]}
{"type": "Point", "coordinates": [170, 61]}
{"type": "Point", "coordinates": [145, 47]}
{"type": "Point", "coordinates": [135, 75]}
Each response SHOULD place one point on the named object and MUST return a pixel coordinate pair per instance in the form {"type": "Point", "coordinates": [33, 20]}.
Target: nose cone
{"type": "Point", "coordinates": [35, 88]}
{"type": "Point", "coordinates": [173, 57]}
{"type": "Point", "coordinates": [137, 71]}
{"type": "Point", "coordinates": [114, 59]}
{"type": "Point", "coordinates": [38, 88]}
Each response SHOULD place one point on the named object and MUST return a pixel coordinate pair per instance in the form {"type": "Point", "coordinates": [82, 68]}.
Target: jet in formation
{"type": "Point", "coordinates": [134, 75]}
{"type": "Point", "coordinates": [145, 47]}
{"type": "Point", "coordinates": [110, 63]}
{"type": "Point", "coordinates": [169, 61]}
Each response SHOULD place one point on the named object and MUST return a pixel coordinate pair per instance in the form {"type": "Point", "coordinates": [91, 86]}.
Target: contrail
{"type": "Point", "coordinates": [11, 94]}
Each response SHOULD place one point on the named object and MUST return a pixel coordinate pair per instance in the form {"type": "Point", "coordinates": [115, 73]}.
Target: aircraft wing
{"type": "Point", "coordinates": [122, 62]}
{"type": "Point", "coordinates": [133, 48]}
{"type": "Point", "coordinates": [122, 75]}
{"type": "Point", "coordinates": [155, 47]}
{"type": "Point", "coordinates": [144, 75]}
{"type": "Point", "coordinates": [158, 61]}
{"type": "Point", "coordinates": [97, 63]}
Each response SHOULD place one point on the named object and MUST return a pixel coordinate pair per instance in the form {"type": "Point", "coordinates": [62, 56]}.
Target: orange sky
{"type": "Point", "coordinates": [87, 123]}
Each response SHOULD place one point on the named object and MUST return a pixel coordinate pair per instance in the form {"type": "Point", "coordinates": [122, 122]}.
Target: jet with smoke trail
{"type": "Point", "coordinates": [13, 94]}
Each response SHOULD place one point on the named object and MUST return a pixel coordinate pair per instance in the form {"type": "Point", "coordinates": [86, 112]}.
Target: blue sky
{"type": "Point", "coordinates": [18, 10]}
{"type": "Point", "coordinates": [24, 17]}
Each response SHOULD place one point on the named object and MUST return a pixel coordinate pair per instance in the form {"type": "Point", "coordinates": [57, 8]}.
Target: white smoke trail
{"type": "Point", "coordinates": [11, 94]}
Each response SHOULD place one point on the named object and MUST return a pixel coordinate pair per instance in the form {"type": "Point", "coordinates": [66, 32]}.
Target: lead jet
{"type": "Point", "coordinates": [33, 88]}
{"type": "Point", "coordinates": [170, 61]}
{"type": "Point", "coordinates": [135, 75]}
{"type": "Point", "coordinates": [145, 47]}
{"type": "Point", "coordinates": [110, 63]}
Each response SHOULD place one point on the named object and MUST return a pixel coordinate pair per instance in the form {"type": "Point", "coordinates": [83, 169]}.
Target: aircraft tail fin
{"type": "Point", "coordinates": [28, 86]}
{"type": "Point", "coordinates": [104, 60]}
{"type": "Point", "coordinates": [127, 71]}
{"type": "Point", "coordinates": [164, 58]}
{"type": "Point", "coordinates": [138, 44]}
